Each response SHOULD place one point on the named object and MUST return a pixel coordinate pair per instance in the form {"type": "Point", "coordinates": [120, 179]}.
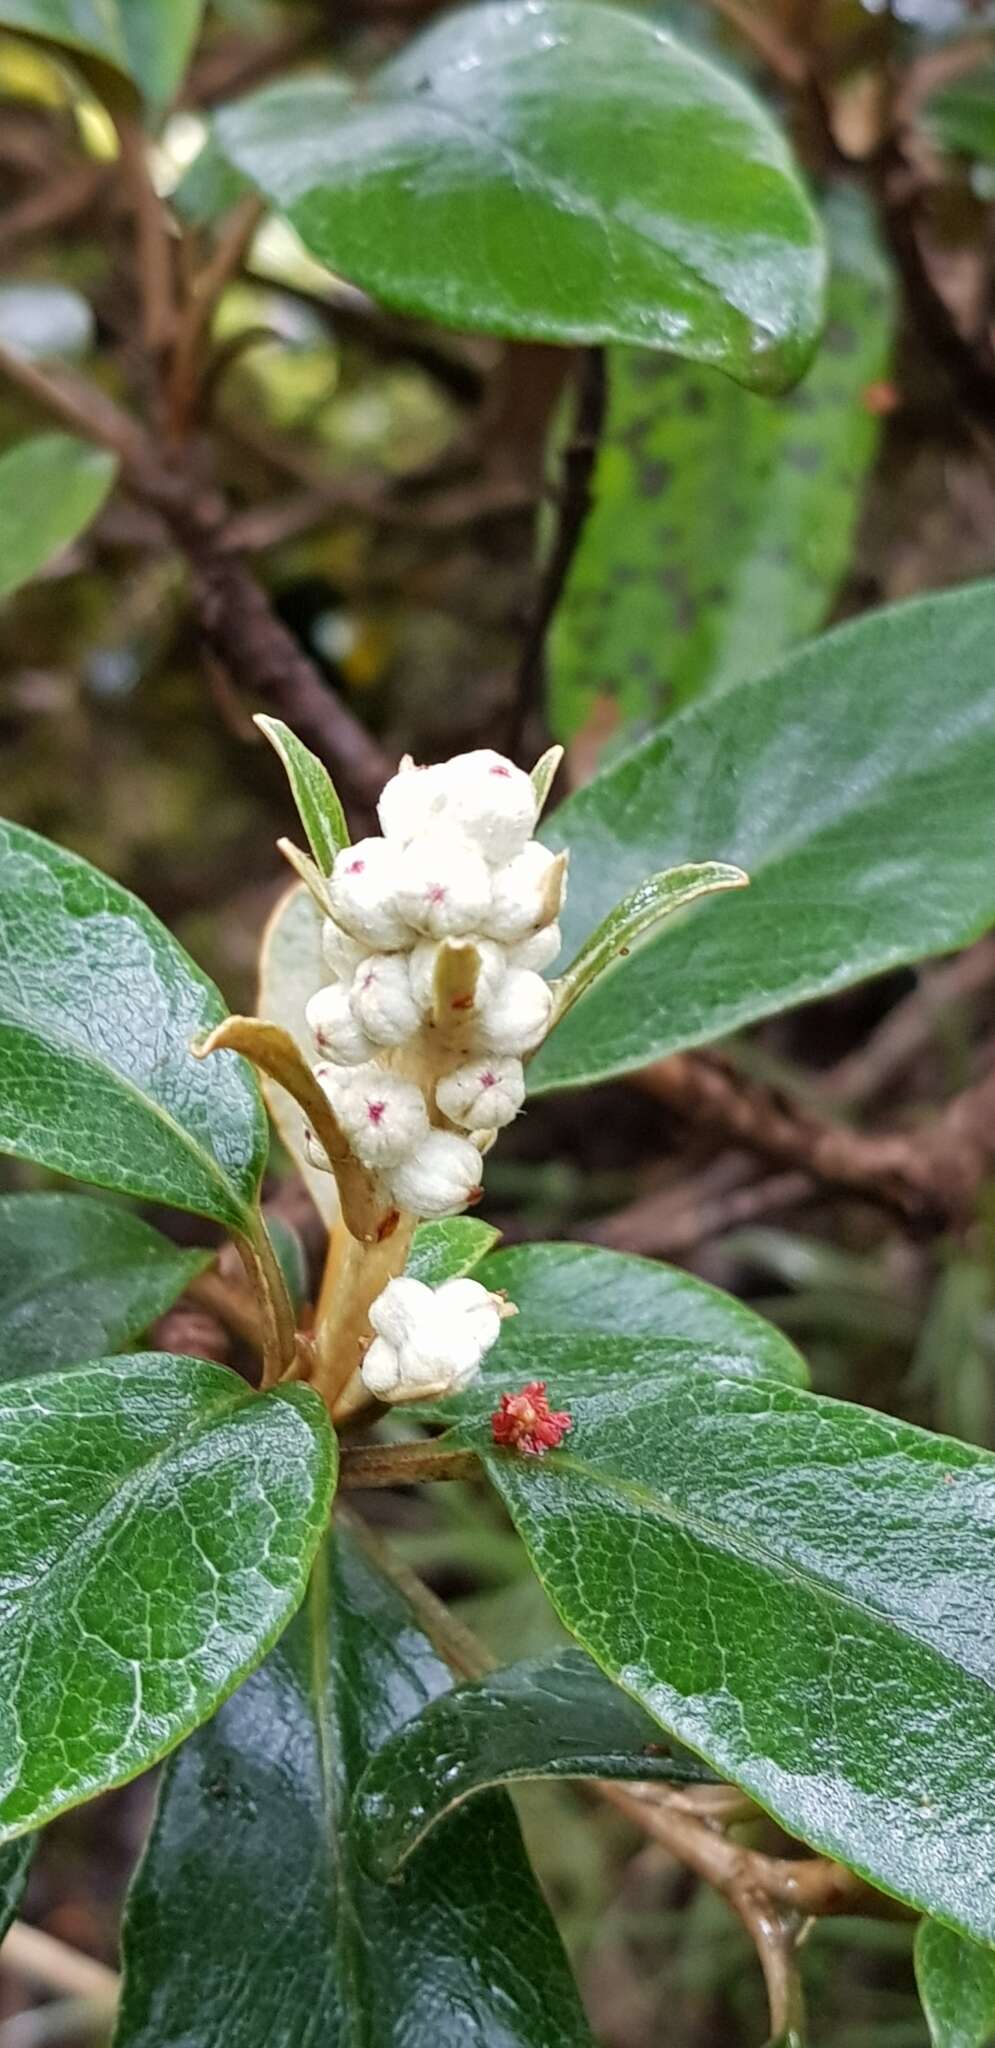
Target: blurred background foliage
{"type": "Point", "coordinates": [394, 488]}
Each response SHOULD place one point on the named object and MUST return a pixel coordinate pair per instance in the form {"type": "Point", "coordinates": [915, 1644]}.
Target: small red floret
{"type": "Point", "coordinates": [525, 1422]}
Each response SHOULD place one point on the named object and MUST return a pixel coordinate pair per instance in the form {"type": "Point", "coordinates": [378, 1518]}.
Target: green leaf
{"type": "Point", "coordinates": [632, 921]}
{"type": "Point", "coordinates": [800, 1591]}
{"type": "Point", "coordinates": [79, 1278]}
{"type": "Point", "coordinates": [723, 522]}
{"type": "Point", "coordinates": [291, 1258]}
{"type": "Point", "coordinates": [40, 319]}
{"type": "Point", "coordinates": [159, 1519]}
{"type": "Point", "coordinates": [962, 115]}
{"type": "Point", "coordinates": [148, 41]}
{"type": "Point", "coordinates": [956, 1980]}
{"type": "Point", "coordinates": [560, 171]}
{"type": "Point", "coordinates": [575, 1289]}
{"type": "Point", "coordinates": [50, 489]}
{"type": "Point", "coordinates": [448, 1250]}
{"type": "Point", "coordinates": [548, 1717]}
{"type": "Point", "coordinates": [313, 791]}
{"type": "Point", "coordinates": [853, 785]}
{"type": "Point", "coordinates": [15, 1864]}
{"type": "Point", "coordinates": [252, 1833]}
{"type": "Point", "coordinates": [98, 1009]}
{"type": "Point", "coordinates": [291, 970]}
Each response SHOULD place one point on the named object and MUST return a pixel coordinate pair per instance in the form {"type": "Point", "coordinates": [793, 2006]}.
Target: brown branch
{"type": "Point", "coordinates": [676, 1219]}
{"type": "Point", "coordinates": [152, 238]}
{"type": "Point", "coordinates": [909, 1026]}
{"type": "Point", "coordinates": [203, 293]}
{"type": "Point", "coordinates": [579, 459]}
{"type": "Point", "coordinates": [404, 1464]}
{"type": "Point", "coordinates": [31, 1953]}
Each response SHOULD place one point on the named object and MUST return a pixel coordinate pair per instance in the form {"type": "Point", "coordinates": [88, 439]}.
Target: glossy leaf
{"type": "Point", "coordinates": [290, 971]}
{"type": "Point", "coordinates": [98, 1010]}
{"type": "Point", "coordinates": [574, 1289]}
{"type": "Point", "coordinates": [548, 1717]}
{"type": "Point", "coordinates": [313, 791]}
{"type": "Point", "coordinates": [159, 1519]}
{"type": "Point", "coordinates": [802, 1592]}
{"type": "Point", "coordinates": [853, 785]}
{"type": "Point", "coordinates": [723, 522]}
{"type": "Point", "coordinates": [148, 41]}
{"type": "Point", "coordinates": [956, 1980]}
{"type": "Point", "coordinates": [253, 1819]}
{"type": "Point", "coordinates": [80, 1278]}
{"type": "Point", "coordinates": [51, 487]}
{"type": "Point", "coordinates": [552, 171]}
{"type": "Point", "coordinates": [447, 1250]}
{"type": "Point", "coordinates": [15, 1866]}
{"type": "Point", "coordinates": [635, 919]}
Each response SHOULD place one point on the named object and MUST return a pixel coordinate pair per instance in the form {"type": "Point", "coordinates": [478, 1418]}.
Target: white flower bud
{"type": "Point", "coordinates": [429, 1343]}
{"type": "Point", "coordinates": [518, 1018]}
{"type": "Point", "coordinates": [424, 959]}
{"type": "Point", "coordinates": [381, 998]}
{"type": "Point", "coordinates": [383, 1116]}
{"type": "Point", "coordinates": [340, 953]}
{"type": "Point", "coordinates": [439, 1177]}
{"type": "Point", "coordinates": [491, 801]}
{"type": "Point", "coordinates": [539, 950]}
{"type": "Point", "coordinates": [445, 886]}
{"type": "Point", "coordinates": [337, 1034]}
{"type": "Point", "coordinates": [484, 1095]}
{"type": "Point", "coordinates": [397, 1312]}
{"type": "Point", "coordinates": [363, 892]}
{"type": "Point", "coordinates": [520, 902]}
{"type": "Point", "coordinates": [411, 802]}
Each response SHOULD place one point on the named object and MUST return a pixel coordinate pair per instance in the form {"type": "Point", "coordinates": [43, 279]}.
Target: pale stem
{"type": "Point", "coordinates": [276, 1315]}
{"type": "Point", "coordinates": [355, 1274]}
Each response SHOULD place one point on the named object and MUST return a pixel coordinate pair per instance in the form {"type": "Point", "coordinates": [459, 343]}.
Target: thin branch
{"type": "Point", "coordinates": [579, 460]}
{"type": "Point", "coordinates": [404, 1464]}
{"type": "Point", "coordinates": [53, 1965]}
{"type": "Point", "coordinates": [203, 294]}
{"type": "Point", "coordinates": [784, 58]}
{"type": "Point", "coordinates": [910, 1026]}
{"type": "Point", "coordinates": [675, 1220]}
{"type": "Point", "coordinates": [234, 1309]}
{"type": "Point", "coordinates": [152, 237]}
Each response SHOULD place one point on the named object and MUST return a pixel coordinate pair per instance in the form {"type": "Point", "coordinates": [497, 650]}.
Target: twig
{"type": "Point", "coordinates": [784, 58]}
{"type": "Point", "coordinates": [202, 298]}
{"type": "Point", "coordinates": [909, 1026]}
{"type": "Point", "coordinates": [152, 233]}
{"type": "Point", "coordinates": [55, 206]}
{"type": "Point", "coordinates": [677, 1219]}
{"type": "Point", "coordinates": [43, 1960]}
{"type": "Point", "coordinates": [579, 459]}
{"type": "Point", "coordinates": [232, 1308]}
{"type": "Point", "coordinates": [403, 1464]}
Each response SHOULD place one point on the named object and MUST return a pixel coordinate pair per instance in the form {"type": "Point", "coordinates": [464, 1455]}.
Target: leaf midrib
{"type": "Point", "coordinates": [743, 1550]}
{"type": "Point", "coordinates": [63, 1044]}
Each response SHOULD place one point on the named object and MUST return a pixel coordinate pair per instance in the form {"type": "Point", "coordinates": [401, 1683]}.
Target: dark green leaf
{"type": "Point", "coordinates": [50, 489]}
{"type": "Point", "coordinates": [445, 1251]}
{"type": "Point", "coordinates": [800, 1591]}
{"type": "Point", "coordinates": [38, 320]}
{"type": "Point", "coordinates": [557, 171]}
{"type": "Point", "coordinates": [722, 522]}
{"type": "Point", "coordinates": [549, 1717]}
{"type": "Point", "coordinates": [291, 1258]}
{"type": "Point", "coordinates": [853, 785]}
{"type": "Point", "coordinates": [15, 1864]}
{"type": "Point", "coordinates": [159, 1519]}
{"type": "Point", "coordinates": [313, 791]}
{"type": "Point", "coordinates": [962, 115]}
{"type": "Point", "coordinates": [251, 1834]}
{"type": "Point", "coordinates": [98, 1009]}
{"type": "Point", "coordinates": [80, 1278]}
{"type": "Point", "coordinates": [148, 41]}
{"type": "Point", "coordinates": [956, 1980]}
{"type": "Point", "coordinates": [562, 1289]}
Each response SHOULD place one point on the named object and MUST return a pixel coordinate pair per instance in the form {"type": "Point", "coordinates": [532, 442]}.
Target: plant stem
{"type": "Point", "coordinates": [277, 1330]}
{"type": "Point", "coordinates": [355, 1274]}
{"type": "Point", "coordinates": [404, 1464]}
{"type": "Point", "coordinates": [229, 1304]}
{"type": "Point", "coordinates": [43, 1960]}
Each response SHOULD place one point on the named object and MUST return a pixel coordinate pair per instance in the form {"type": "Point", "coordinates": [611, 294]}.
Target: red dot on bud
{"type": "Point", "coordinates": [488, 1080]}
{"type": "Point", "coordinates": [375, 1111]}
{"type": "Point", "coordinates": [498, 769]}
{"type": "Point", "coordinates": [526, 1423]}
{"type": "Point", "coordinates": [355, 867]}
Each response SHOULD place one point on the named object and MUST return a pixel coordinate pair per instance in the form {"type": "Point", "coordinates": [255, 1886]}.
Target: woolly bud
{"type": "Point", "coordinates": [340, 953]}
{"type": "Point", "coordinates": [411, 802]}
{"type": "Point", "coordinates": [483, 1096]}
{"type": "Point", "coordinates": [439, 1177]}
{"type": "Point", "coordinates": [491, 801]}
{"type": "Point", "coordinates": [527, 894]}
{"type": "Point", "coordinates": [424, 965]}
{"type": "Point", "coordinates": [383, 1116]}
{"type": "Point", "coordinates": [337, 1033]}
{"type": "Point", "coordinates": [539, 950]}
{"type": "Point", "coordinates": [429, 1343]}
{"type": "Point", "coordinates": [363, 892]}
{"type": "Point", "coordinates": [381, 998]}
{"type": "Point", "coordinates": [445, 886]}
{"type": "Point", "coordinates": [518, 1018]}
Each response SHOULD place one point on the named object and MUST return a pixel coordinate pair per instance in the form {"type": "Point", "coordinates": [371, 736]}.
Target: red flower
{"type": "Point", "coordinates": [525, 1422]}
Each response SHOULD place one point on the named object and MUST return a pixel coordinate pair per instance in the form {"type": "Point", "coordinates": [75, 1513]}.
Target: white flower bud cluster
{"type": "Point", "coordinates": [456, 891]}
{"type": "Point", "coordinates": [429, 1342]}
